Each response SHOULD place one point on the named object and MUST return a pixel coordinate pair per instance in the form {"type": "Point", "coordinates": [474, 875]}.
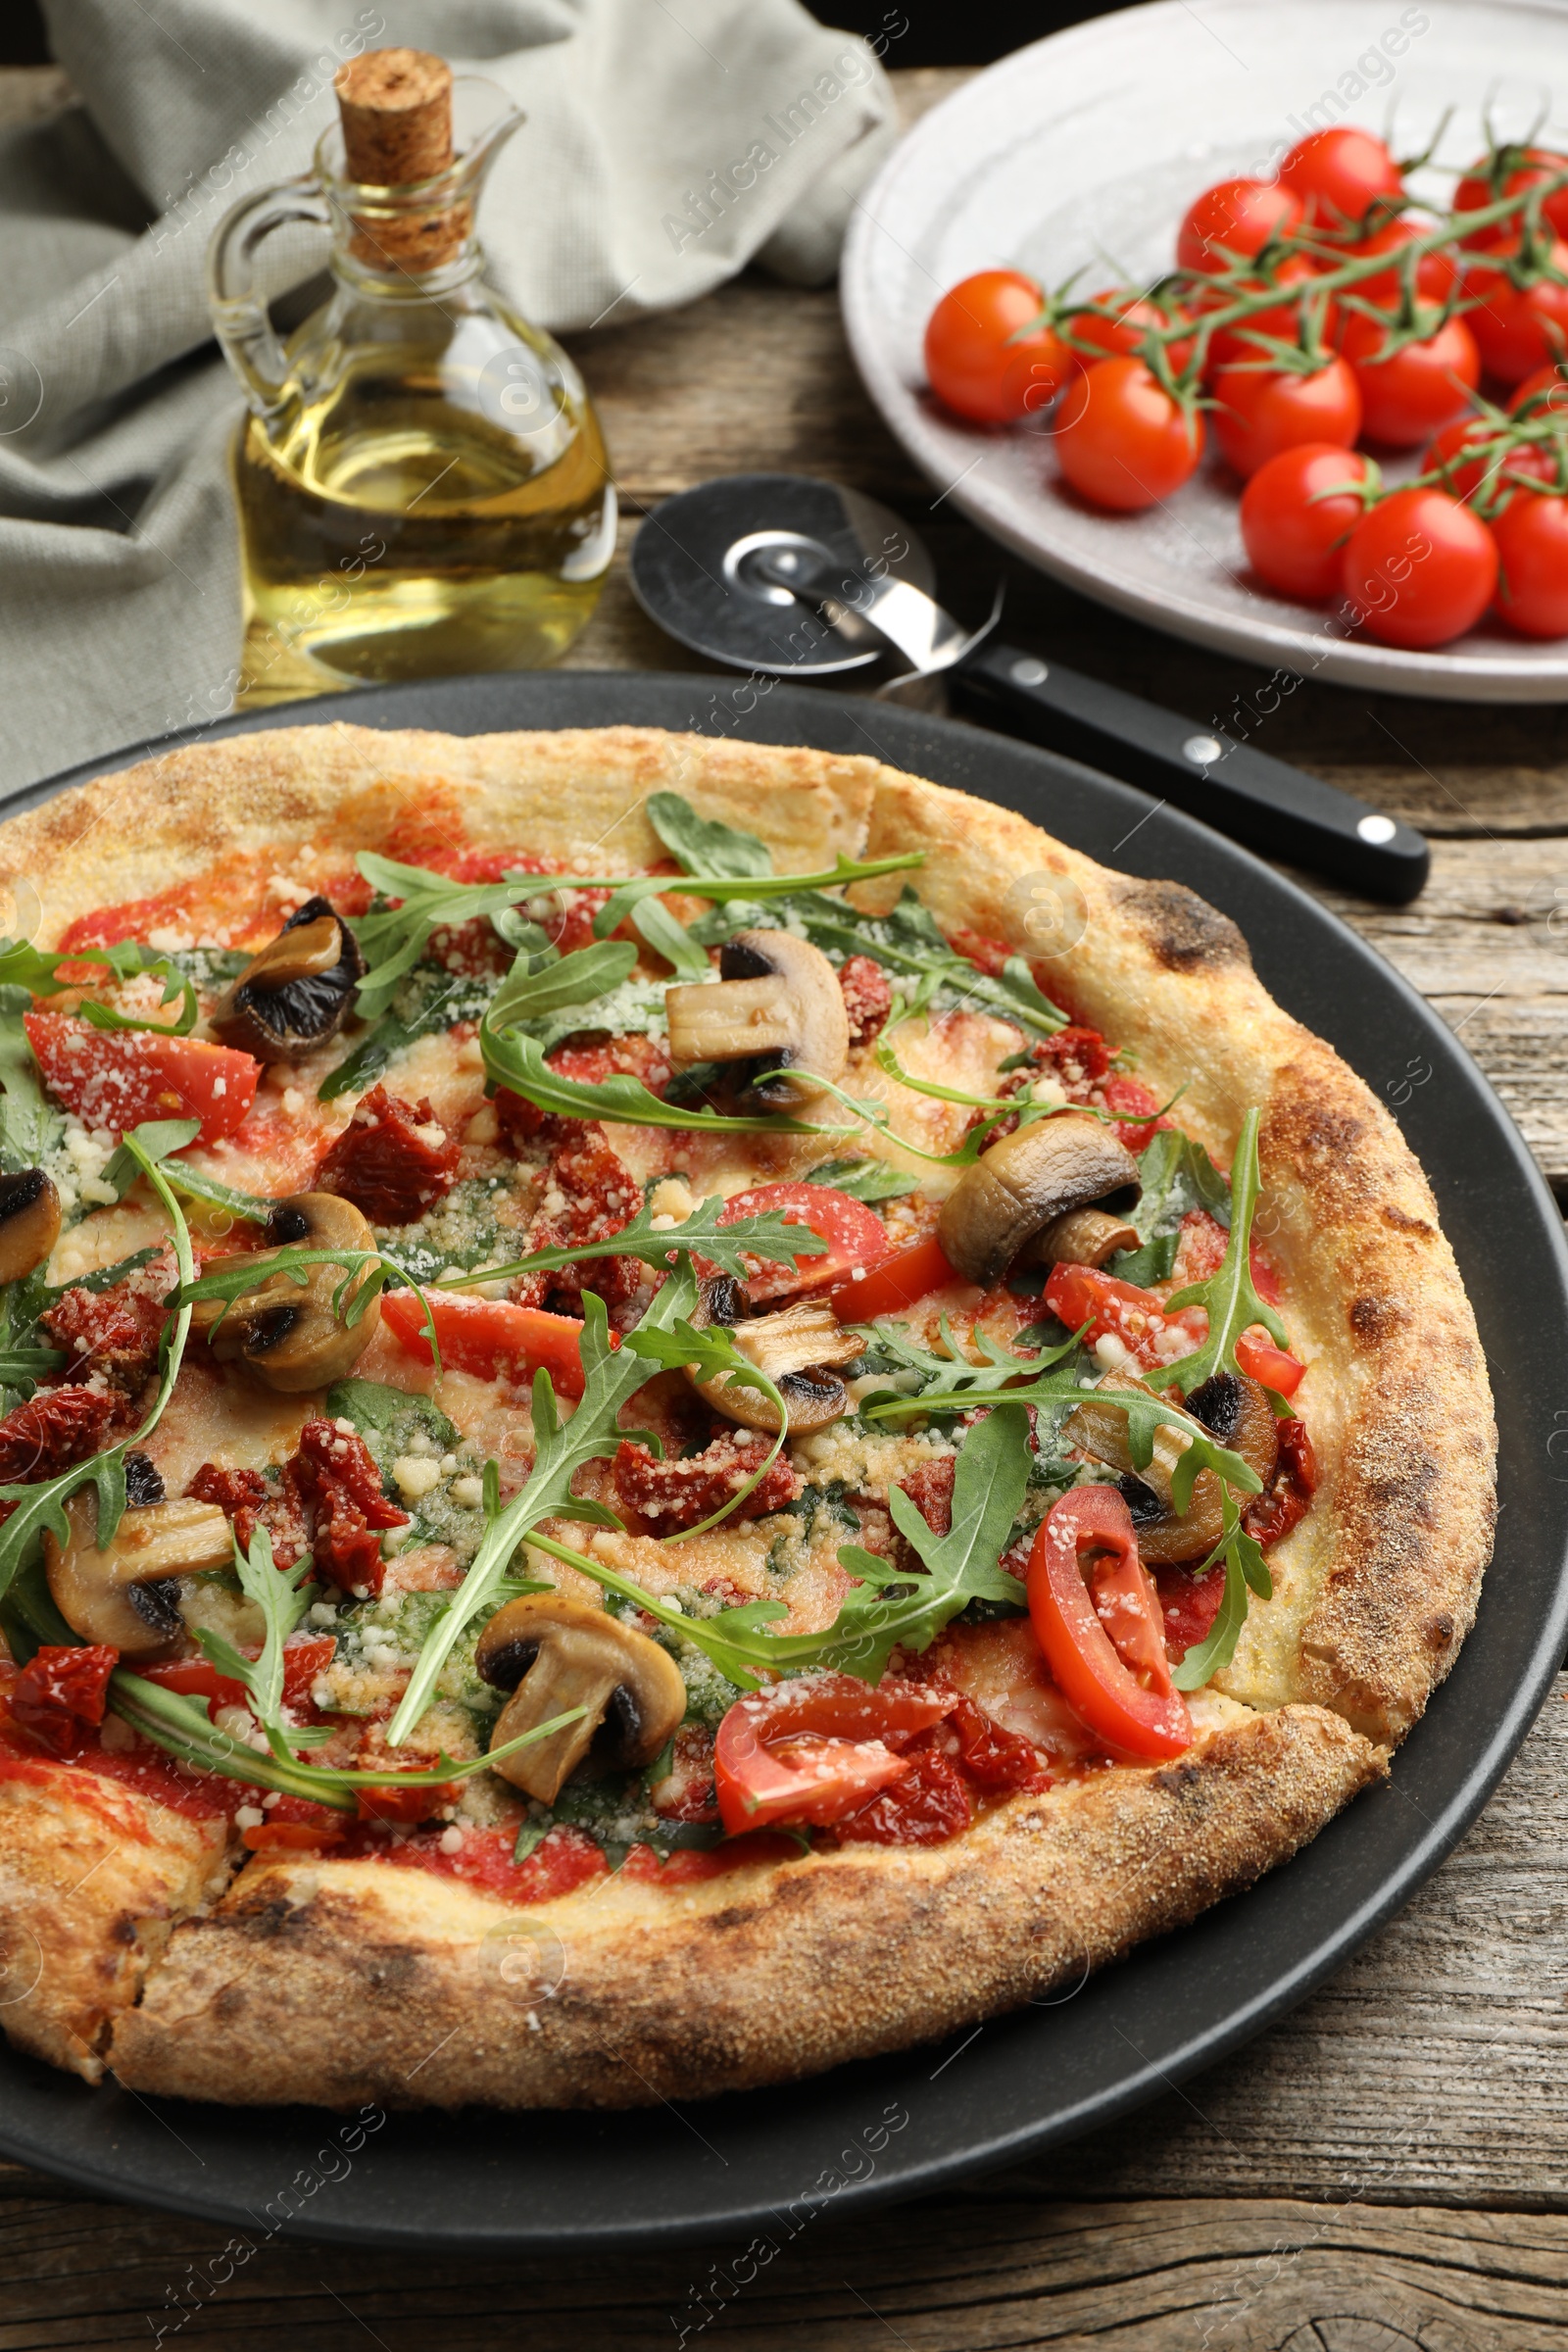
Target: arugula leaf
{"type": "Point", "coordinates": [519, 1063]}
{"type": "Point", "coordinates": [768, 1235]}
{"type": "Point", "coordinates": [612, 1376]}
{"type": "Point", "coordinates": [23, 1368]}
{"type": "Point", "coordinates": [868, 1180]}
{"type": "Point", "coordinates": [181, 1727]}
{"type": "Point", "coordinates": [282, 1597]}
{"type": "Point", "coordinates": [890, 1610]}
{"type": "Point", "coordinates": [30, 1126]}
{"type": "Point", "coordinates": [702, 845]}
{"type": "Point", "coordinates": [533, 988]}
{"type": "Point", "coordinates": [1229, 1295]}
{"type": "Point", "coordinates": [392, 939]}
{"type": "Point", "coordinates": [670, 939]}
{"type": "Point", "coordinates": [1245, 1569]}
{"type": "Point", "coordinates": [888, 1344]}
{"type": "Point", "coordinates": [159, 1139]}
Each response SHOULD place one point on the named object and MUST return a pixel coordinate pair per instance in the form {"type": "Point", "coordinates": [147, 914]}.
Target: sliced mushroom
{"type": "Point", "coordinates": [290, 1336]}
{"type": "Point", "coordinates": [797, 1346]}
{"type": "Point", "coordinates": [1238, 1413]}
{"type": "Point", "coordinates": [1025, 1185]}
{"type": "Point", "coordinates": [1084, 1237]}
{"type": "Point", "coordinates": [554, 1654]}
{"type": "Point", "coordinates": [29, 1222]}
{"type": "Point", "coordinates": [126, 1595]}
{"type": "Point", "coordinates": [296, 993]}
{"type": "Point", "coordinates": [777, 1005]}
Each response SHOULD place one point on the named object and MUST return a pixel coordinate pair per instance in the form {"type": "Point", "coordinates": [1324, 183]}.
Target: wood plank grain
{"type": "Point", "coordinates": [1135, 2277]}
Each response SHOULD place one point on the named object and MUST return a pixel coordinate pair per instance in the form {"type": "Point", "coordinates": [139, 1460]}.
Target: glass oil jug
{"type": "Point", "coordinates": [421, 482]}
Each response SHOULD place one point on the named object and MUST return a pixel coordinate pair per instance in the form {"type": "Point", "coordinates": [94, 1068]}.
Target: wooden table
{"type": "Point", "coordinates": [1390, 2166]}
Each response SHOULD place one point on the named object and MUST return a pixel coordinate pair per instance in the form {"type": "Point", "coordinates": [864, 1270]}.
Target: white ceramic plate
{"type": "Point", "coordinates": [1084, 151]}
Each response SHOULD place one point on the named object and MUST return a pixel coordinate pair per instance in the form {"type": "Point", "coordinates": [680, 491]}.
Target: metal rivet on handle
{"type": "Point", "coordinates": [1203, 749]}
{"type": "Point", "coordinates": [1376, 829]}
{"type": "Point", "coordinates": [1029, 672]}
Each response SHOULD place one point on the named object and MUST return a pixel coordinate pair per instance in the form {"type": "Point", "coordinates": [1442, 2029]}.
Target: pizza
{"type": "Point", "coordinates": [674, 1411]}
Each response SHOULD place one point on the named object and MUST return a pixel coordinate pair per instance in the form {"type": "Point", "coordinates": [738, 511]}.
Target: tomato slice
{"type": "Point", "coordinates": [1111, 1307]}
{"type": "Point", "coordinates": [294, 1836]}
{"type": "Point", "coordinates": [491, 1338]}
{"type": "Point", "coordinates": [815, 1749]}
{"type": "Point", "coordinates": [854, 1235]}
{"type": "Point", "coordinates": [1105, 1638]}
{"type": "Point", "coordinates": [116, 1078]}
{"type": "Point", "coordinates": [898, 1281]}
{"type": "Point", "coordinates": [1257, 1356]}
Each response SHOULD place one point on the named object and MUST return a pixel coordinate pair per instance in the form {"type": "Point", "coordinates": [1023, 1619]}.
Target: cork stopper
{"type": "Point", "coordinates": [396, 110]}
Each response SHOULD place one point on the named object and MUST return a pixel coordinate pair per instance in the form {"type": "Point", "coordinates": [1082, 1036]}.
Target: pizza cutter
{"type": "Point", "coordinates": [800, 578]}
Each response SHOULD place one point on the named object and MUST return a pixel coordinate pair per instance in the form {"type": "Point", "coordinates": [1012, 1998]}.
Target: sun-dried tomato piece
{"type": "Point", "coordinates": [52, 1431]}
{"type": "Point", "coordinates": [115, 1332]}
{"type": "Point", "coordinates": [1272, 1516]}
{"type": "Point", "coordinates": [58, 1691]}
{"type": "Point", "coordinates": [1188, 1606]}
{"type": "Point", "coordinates": [394, 1159]}
{"type": "Point", "coordinates": [1075, 1052]}
{"type": "Point", "coordinates": [677, 1493]}
{"type": "Point", "coordinates": [335, 1476]}
{"type": "Point", "coordinates": [686, 1792]}
{"type": "Point", "coordinates": [589, 1195]}
{"type": "Point", "coordinates": [250, 1500]}
{"type": "Point", "coordinates": [867, 998]}
{"type": "Point", "coordinates": [929, 1487]}
{"type": "Point", "coordinates": [927, 1807]}
{"type": "Point", "coordinates": [988, 1754]}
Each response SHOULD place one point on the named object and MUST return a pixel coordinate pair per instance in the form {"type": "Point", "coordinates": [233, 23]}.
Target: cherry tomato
{"type": "Point", "coordinates": [1337, 175]}
{"type": "Point", "coordinates": [1408, 394]}
{"type": "Point", "coordinates": [1282, 324]}
{"type": "Point", "coordinates": [1261, 412]}
{"type": "Point", "coordinates": [853, 1233]}
{"type": "Point", "coordinates": [1517, 330]}
{"type": "Point", "coordinates": [1104, 1638]}
{"type": "Point", "coordinates": [1435, 274]}
{"type": "Point", "coordinates": [973, 365]}
{"type": "Point", "coordinates": [814, 1749]}
{"type": "Point", "coordinates": [1532, 537]}
{"type": "Point", "coordinates": [1122, 441]}
{"type": "Point", "coordinates": [1259, 1357]}
{"type": "Point", "coordinates": [1464, 476]}
{"type": "Point", "coordinates": [1112, 1309]}
{"type": "Point", "coordinates": [1296, 518]}
{"type": "Point", "coordinates": [897, 1281]}
{"type": "Point", "coordinates": [1530, 166]}
{"type": "Point", "coordinates": [491, 1337]}
{"type": "Point", "coordinates": [1546, 389]}
{"type": "Point", "coordinates": [116, 1078]}
{"type": "Point", "coordinates": [1234, 217]}
{"type": "Point", "coordinates": [1119, 333]}
{"type": "Point", "coordinates": [1420, 569]}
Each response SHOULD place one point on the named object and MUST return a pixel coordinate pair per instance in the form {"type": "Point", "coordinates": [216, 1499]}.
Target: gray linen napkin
{"type": "Point", "coordinates": [120, 607]}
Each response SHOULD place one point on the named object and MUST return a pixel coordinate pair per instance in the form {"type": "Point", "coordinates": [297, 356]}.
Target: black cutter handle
{"type": "Point", "coordinates": [1266, 804]}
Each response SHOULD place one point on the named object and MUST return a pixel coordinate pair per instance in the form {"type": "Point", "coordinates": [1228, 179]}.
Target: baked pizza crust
{"type": "Point", "coordinates": [92, 1876]}
{"type": "Point", "coordinates": [336, 1982]}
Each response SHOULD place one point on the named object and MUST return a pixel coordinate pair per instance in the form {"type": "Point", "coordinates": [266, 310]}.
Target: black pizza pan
{"type": "Point", "coordinates": [759, 2165]}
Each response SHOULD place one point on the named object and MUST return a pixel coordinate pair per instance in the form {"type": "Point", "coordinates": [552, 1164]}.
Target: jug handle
{"type": "Point", "coordinates": [239, 315]}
